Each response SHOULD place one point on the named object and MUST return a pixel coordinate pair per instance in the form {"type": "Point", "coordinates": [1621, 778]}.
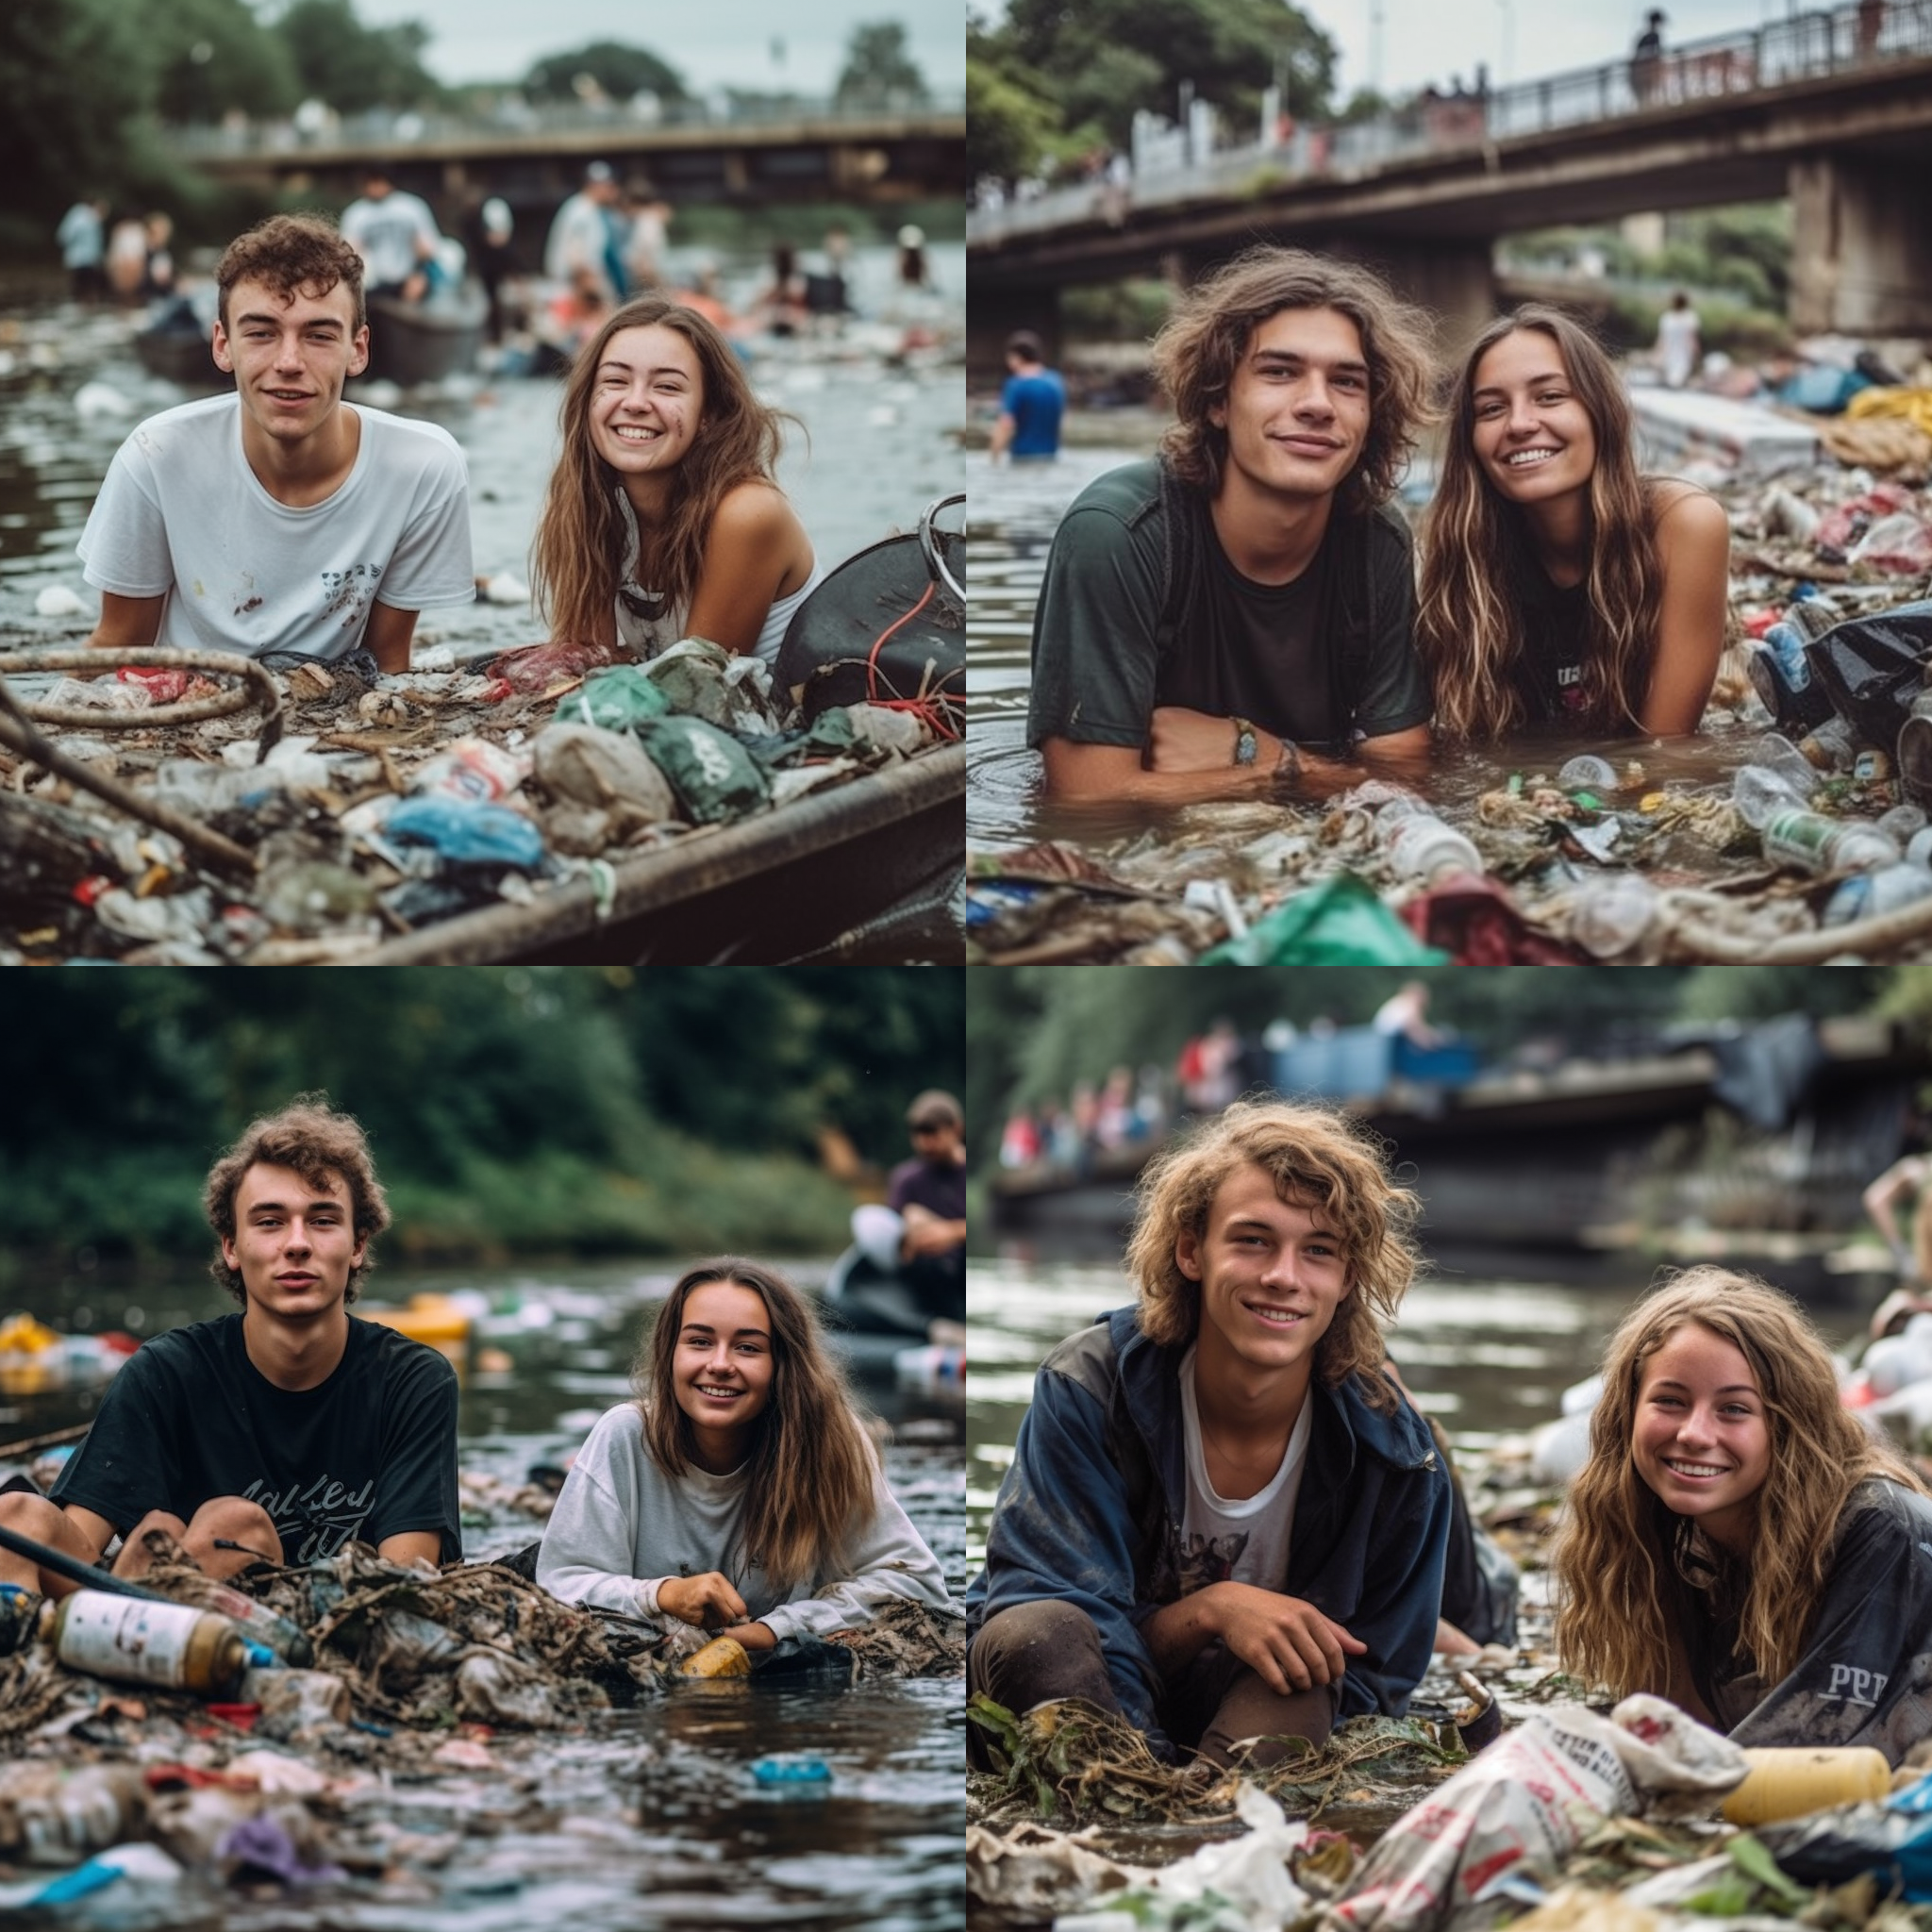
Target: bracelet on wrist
{"type": "Point", "coordinates": [1286, 777]}
{"type": "Point", "coordinates": [1245, 743]}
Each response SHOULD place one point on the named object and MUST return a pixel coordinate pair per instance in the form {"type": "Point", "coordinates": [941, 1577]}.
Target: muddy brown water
{"type": "Point", "coordinates": [646, 1818]}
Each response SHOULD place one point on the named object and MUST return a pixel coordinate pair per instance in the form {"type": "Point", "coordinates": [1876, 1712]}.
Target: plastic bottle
{"type": "Point", "coordinates": [1903, 822]}
{"type": "Point", "coordinates": [1777, 754]}
{"type": "Point", "coordinates": [1760, 794]}
{"type": "Point", "coordinates": [1421, 847]}
{"type": "Point", "coordinates": [1871, 895]}
{"type": "Point", "coordinates": [1587, 773]}
{"type": "Point", "coordinates": [472, 769]}
{"type": "Point", "coordinates": [1792, 1782]}
{"type": "Point", "coordinates": [1830, 747]}
{"type": "Point", "coordinates": [723, 1656]}
{"type": "Point", "coordinates": [90, 1809]}
{"type": "Point", "coordinates": [143, 1643]}
{"type": "Point", "coordinates": [1613, 913]}
{"type": "Point", "coordinates": [288, 1641]}
{"type": "Point", "coordinates": [1816, 844]}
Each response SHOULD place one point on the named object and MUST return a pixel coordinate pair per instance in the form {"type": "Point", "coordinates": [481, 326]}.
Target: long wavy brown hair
{"type": "Point", "coordinates": [1200, 347]}
{"type": "Point", "coordinates": [1476, 551]}
{"type": "Point", "coordinates": [1320, 1161]}
{"type": "Point", "coordinates": [577, 555]}
{"type": "Point", "coordinates": [1621, 1555]}
{"type": "Point", "coordinates": [812, 1470]}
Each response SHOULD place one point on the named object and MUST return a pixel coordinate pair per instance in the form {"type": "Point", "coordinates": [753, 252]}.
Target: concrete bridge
{"type": "Point", "coordinates": [533, 157]}
{"type": "Point", "coordinates": [1831, 108]}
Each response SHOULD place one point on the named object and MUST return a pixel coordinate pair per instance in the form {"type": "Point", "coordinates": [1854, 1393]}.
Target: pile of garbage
{"type": "Point", "coordinates": [149, 815]}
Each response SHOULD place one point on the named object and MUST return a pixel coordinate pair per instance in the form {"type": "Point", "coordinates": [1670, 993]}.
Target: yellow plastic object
{"type": "Point", "coordinates": [22, 1335]}
{"type": "Point", "coordinates": [725, 1656]}
{"type": "Point", "coordinates": [1791, 1782]}
{"type": "Point", "coordinates": [429, 1319]}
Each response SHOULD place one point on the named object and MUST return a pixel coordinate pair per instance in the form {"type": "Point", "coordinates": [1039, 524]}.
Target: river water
{"type": "Point", "coordinates": [647, 1818]}
{"type": "Point", "coordinates": [876, 443]}
{"type": "Point", "coordinates": [1013, 511]}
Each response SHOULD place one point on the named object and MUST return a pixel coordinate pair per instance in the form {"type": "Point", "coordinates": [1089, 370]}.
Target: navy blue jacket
{"type": "Point", "coordinates": [1090, 1514]}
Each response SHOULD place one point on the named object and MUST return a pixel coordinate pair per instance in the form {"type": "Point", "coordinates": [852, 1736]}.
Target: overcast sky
{"type": "Point", "coordinates": [710, 42]}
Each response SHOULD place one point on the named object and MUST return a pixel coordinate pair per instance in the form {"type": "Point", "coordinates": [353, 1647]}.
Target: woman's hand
{"type": "Point", "coordinates": [753, 1636]}
{"type": "Point", "coordinates": [707, 1601]}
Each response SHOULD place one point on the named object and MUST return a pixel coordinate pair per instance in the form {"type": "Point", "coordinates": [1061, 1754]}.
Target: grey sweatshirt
{"type": "Point", "coordinates": [623, 1526]}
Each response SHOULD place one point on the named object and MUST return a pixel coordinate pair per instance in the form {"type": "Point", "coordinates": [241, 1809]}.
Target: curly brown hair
{"type": "Point", "coordinates": [1320, 1160]}
{"type": "Point", "coordinates": [1198, 350]}
{"type": "Point", "coordinates": [309, 1136]}
{"type": "Point", "coordinates": [811, 1473]}
{"type": "Point", "coordinates": [1618, 1564]}
{"type": "Point", "coordinates": [293, 255]}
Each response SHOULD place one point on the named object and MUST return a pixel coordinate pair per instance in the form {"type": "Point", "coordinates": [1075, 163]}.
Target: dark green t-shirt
{"type": "Point", "coordinates": [1294, 657]}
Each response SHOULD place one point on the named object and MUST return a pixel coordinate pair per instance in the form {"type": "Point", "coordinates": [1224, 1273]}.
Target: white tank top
{"type": "Point", "coordinates": [647, 634]}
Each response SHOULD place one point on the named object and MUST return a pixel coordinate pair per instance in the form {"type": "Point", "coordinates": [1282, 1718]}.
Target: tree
{"type": "Point", "coordinates": [1009, 131]}
{"type": "Point", "coordinates": [619, 71]}
{"type": "Point", "coordinates": [878, 70]}
{"type": "Point", "coordinates": [353, 67]}
{"type": "Point", "coordinates": [213, 57]}
{"type": "Point", "coordinates": [1104, 59]}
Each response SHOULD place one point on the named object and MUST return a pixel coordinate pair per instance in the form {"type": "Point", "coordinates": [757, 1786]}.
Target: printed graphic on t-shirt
{"type": "Point", "coordinates": [323, 1516]}
{"type": "Point", "coordinates": [351, 591]}
{"type": "Point", "coordinates": [1204, 1560]}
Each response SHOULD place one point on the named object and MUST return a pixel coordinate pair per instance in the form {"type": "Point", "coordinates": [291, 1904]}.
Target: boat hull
{"type": "Point", "coordinates": [180, 358]}
{"type": "Point", "coordinates": [863, 871]}
{"type": "Point", "coordinates": [416, 343]}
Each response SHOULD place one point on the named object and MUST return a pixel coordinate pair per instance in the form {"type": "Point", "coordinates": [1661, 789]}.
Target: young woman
{"type": "Point", "coordinates": [663, 521]}
{"type": "Point", "coordinates": [738, 1491]}
{"type": "Point", "coordinates": [1558, 587]}
{"type": "Point", "coordinates": [1737, 1543]}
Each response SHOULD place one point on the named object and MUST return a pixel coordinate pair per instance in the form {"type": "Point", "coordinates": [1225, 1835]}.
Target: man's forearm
{"type": "Point", "coordinates": [1142, 787]}
{"type": "Point", "coordinates": [1179, 1632]}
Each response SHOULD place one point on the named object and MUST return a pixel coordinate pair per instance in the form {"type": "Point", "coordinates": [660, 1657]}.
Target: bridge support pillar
{"type": "Point", "coordinates": [1861, 251]}
{"type": "Point", "coordinates": [1455, 280]}
{"type": "Point", "coordinates": [993, 314]}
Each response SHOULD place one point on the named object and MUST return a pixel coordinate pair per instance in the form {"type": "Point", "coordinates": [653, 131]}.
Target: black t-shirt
{"type": "Point", "coordinates": [1548, 676]}
{"type": "Point", "coordinates": [941, 1188]}
{"type": "Point", "coordinates": [369, 1454]}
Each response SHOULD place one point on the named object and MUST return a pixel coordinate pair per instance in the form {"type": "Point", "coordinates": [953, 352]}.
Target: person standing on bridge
{"type": "Point", "coordinates": [1647, 58]}
{"type": "Point", "coordinates": [1558, 586]}
{"type": "Point", "coordinates": [1234, 619]}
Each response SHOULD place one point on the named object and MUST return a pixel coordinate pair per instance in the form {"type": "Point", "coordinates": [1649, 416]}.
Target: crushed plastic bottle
{"type": "Point", "coordinates": [1421, 847]}
{"type": "Point", "coordinates": [1814, 843]}
{"type": "Point", "coordinates": [1588, 772]}
{"type": "Point", "coordinates": [1613, 914]}
{"type": "Point", "coordinates": [1760, 794]}
{"type": "Point", "coordinates": [1871, 895]}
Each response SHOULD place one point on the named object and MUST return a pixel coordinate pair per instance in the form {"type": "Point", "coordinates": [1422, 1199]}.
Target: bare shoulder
{"type": "Point", "coordinates": [755, 513]}
{"type": "Point", "coordinates": [1682, 514]}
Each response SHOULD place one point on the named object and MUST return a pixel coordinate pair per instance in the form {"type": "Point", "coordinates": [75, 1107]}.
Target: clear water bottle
{"type": "Point", "coordinates": [1871, 895]}
{"type": "Point", "coordinates": [1421, 847]}
{"type": "Point", "coordinates": [1776, 753]}
{"type": "Point", "coordinates": [1613, 913]}
{"type": "Point", "coordinates": [1760, 794]}
{"type": "Point", "coordinates": [1814, 843]}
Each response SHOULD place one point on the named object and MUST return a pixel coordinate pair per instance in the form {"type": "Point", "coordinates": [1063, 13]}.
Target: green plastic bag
{"type": "Point", "coordinates": [1340, 922]}
{"type": "Point", "coordinates": [616, 699]}
{"type": "Point", "coordinates": [714, 776]}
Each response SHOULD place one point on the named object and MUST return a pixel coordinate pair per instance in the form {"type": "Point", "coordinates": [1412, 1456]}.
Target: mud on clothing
{"type": "Point", "coordinates": [1091, 1513]}
{"type": "Point", "coordinates": [1140, 606]}
{"type": "Point", "coordinates": [1865, 1677]}
{"type": "Point", "coordinates": [181, 515]}
{"type": "Point", "coordinates": [369, 1454]}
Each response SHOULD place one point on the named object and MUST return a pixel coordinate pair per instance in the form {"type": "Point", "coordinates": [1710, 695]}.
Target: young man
{"type": "Point", "coordinates": [1234, 620]}
{"type": "Point", "coordinates": [284, 1431]}
{"type": "Point", "coordinates": [279, 519]}
{"type": "Point", "coordinates": [1222, 1519]}
{"type": "Point", "coordinates": [1031, 404]}
{"type": "Point", "coordinates": [394, 233]}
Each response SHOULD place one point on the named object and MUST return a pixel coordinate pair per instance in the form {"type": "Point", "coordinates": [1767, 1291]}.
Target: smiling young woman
{"type": "Point", "coordinates": [1560, 587]}
{"type": "Point", "coordinates": [1737, 1541]}
{"type": "Point", "coordinates": [664, 519]}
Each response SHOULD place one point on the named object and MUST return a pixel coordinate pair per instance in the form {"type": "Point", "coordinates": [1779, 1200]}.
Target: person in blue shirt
{"type": "Point", "coordinates": [1031, 404]}
{"type": "Point", "coordinates": [1223, 1519]}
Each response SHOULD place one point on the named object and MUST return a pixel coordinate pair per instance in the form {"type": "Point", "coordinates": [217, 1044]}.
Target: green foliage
{"type": "Point", "coordinates": [1116, 311]}
{"type": "Point", "coordinates": [354, 67]}
{"type": "Point", "coordinates": [210, 57]}
{"type": "Point", "coordinates": [1102, 61]}
{"type": "Point", "coordinates": [879, 70]}
{"type": "Point", "coordinates": [619, 71]}
{"type": "Point", "coordinates": [509, 1109]}
{"type": "Point", "coordinates": [1010, 129]}
{"type": "Point", "coordinates": [1763, 992]}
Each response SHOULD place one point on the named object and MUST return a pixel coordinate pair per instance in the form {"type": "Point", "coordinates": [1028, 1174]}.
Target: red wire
{"type": "Point", "coordinates": [930, 710]}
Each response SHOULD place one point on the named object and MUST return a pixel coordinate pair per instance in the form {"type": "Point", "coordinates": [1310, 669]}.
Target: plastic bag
{"type": "Point", "coordinates": [465, 834]}
{"type": "Point", "coordinates": [473, 768]}
{"type": "Point", "coordinates": [616, 699]}
{"type": "Point", "coordinates": [1340, 922]}
{"type": "Point", "coordinates": [1527, 1801]}
{"type": "Point", "coordinates": [713, 776]}
{"type": "Point", "coordinates": [539, 668]}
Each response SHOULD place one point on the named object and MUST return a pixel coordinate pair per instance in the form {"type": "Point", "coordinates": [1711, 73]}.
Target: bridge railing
{"type": "Point", "coordinates": [1803, 47]}
{"type": "Point", "coordinates": [515, 118]}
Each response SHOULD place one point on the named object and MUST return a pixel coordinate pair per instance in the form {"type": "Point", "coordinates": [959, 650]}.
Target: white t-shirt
{"type": "Point", "coordinates": [579, 237]}
{"type": "Point", "coordinates": [1244, 1541]}
{"type": "Point", "coordinates": [1677, 344]}
{"type": "Point", "coordinates": [182, 513]}
{"type": "Point", "coordinates": [385, 234]}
